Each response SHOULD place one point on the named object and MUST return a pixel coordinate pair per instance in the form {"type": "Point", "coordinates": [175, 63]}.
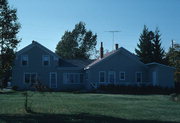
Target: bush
{"type": "Point", "coordinates": [15, 88]}
{"type": "Point", "coordinates": [177, 87]}
{"type": "Point", "coordinates": [135, 89]}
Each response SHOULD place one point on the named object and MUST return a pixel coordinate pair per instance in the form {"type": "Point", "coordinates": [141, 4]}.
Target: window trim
{"type": "Point", "coordinates": [30, 77]}
{"type": "Point", "coordinates": [104, 76]}
{"type": "Point", "coordinates": [120, 75]}
{"type": "Point", "coordinates": [50, 79]}
{"type": "Point", "coordinates": [22, 60]}
{"type": "Point", "coordinates": [136, 76]}
{"type": "Point", "coordinates": [65, 80]}
{"type": "Point", "coordinates": [114, 77]}
{"type": "Point", "coordinates": [43, 60]}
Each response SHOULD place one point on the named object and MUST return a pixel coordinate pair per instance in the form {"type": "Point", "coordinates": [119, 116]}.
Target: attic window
{"type": "Point", "coordinates": [46, 60]}
{"type": "Point", "coordinates": [24, 60]}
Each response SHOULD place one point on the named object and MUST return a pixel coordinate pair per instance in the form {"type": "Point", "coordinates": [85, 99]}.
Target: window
{"type": "Point", "coordinates": [30, 78]}
{"type": "Point", "coordinates": [86, 75]}
{"type": "Point", "coordinates": [111, 77]}
{"type": "Point", "coordinates": [138, 77]}
{"type": "Point", "coordinates": [122, 75]}
{"type": "Point", "coordinates": [27, 78]}
{"type": "Point", "coordinates": [46, 60]}
{"type": "Point", "coordinates": [53, 80]}
{"type": "Point", "coordinates": [24, 60]}
{"type": "Point", "coordinates": [73, 78]}
{"type": "Point", "coordinates": [81, 78]}
{"type": "Point", "coordinates": [102, 75]}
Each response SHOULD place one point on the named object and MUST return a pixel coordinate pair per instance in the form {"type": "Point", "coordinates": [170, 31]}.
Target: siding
{"type": "Point", "coordinates": [119, 62]}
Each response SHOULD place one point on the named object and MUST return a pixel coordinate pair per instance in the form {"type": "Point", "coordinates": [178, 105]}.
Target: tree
{"type": "Point", "coordinates": [173, 56]}
{"type": "Point", "coordinates": [145, 46]}
{"type": "Point", "coordinates": [9, 27]}
{"type": "Point", "coordinates": [149, 47]}
{"type": "Point", "coordinates": [77, 44]}
{"type": "Point", "coordinates": [158, 52]}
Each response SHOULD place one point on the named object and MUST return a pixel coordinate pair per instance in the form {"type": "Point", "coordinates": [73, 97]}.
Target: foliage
{"type": "Point", "coordinates": [149, 47]}
{"type": "Point", "coordinates": [9, 27]}
{"type": "Point", "coordinates": [15, 88]}
{"type": "Point", "coordinates": [120, 89]}
{"type": "Point", "coordinates": [158, 52]}
{"type": "Point", "coordinates": [173, 57]}
{"type": "Point", "coordinates": [77, 44]}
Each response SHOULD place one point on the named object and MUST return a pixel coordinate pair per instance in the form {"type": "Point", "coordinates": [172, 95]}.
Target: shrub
{"type": "Point", "coordinates": [15, 87]}
{"type": "Point", "coordinates": [135, 89]}
{"type": "Point", "coordinates": [177, 87]}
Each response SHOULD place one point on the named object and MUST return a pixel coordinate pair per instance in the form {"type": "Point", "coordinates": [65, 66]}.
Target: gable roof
{"type": "Point", "coordinates": [33, 44]}
{"type": "Point", "coordinates": [112, 53]}
{"type": "Point", "coordinates": [158, 64]}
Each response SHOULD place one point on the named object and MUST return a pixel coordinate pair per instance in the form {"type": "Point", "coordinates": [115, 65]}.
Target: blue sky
{"type": "Point", "coordinates": [46, 20]}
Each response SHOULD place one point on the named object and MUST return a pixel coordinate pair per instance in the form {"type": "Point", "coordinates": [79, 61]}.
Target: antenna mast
{"type": "Point", "coordinates": [114, 31]}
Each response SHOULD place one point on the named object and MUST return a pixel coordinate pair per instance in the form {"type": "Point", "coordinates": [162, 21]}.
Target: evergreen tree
{"type": "Point", "coordinates": [145, 46]}
{"type": "Point", "coordinates": [77, 44]}
{"type": "Point", "coordinates": [9, 27]}
{"type": "Point", "coordinates": [158, 52]}
{"type": "Point", "coordinates": [173, 56]}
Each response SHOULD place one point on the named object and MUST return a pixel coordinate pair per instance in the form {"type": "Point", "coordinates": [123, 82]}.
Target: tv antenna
{"type": "Point", "coordinates": [113, 31]}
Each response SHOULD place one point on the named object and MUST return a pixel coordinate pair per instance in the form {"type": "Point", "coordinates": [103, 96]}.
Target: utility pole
{"type": "Point", "coordinates": [114, 31]}
{"type": "Point", "coordinates": [173, 50]}
{"type": "Point", "coordinates": [172, 43]}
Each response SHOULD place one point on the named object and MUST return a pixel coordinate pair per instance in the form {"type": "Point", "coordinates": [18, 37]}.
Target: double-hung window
{"type": "Point", "coordinates": [102, 76]}
{"type": "Point", "coordinates": [122, 75]}
{"type": "Point", "coordinates": [111, 77]}
{"type": "Point", "coordinates": [24, 60]}
{"type": "Point", "coordinates": [46, 60]}
{"type": "Point", "coordinates": [30, 78]}
{"type": "Point", "coordinates": [73, 78]}
{"type": "Point", "coordinates": [138, 76]}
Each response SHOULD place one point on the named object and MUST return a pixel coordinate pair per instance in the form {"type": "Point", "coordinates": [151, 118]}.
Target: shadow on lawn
{"type": "Point", "coordinates": [62, 118]}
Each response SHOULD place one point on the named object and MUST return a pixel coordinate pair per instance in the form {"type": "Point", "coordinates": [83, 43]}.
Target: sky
{"type": "Point", "coordinates": [46, 21]}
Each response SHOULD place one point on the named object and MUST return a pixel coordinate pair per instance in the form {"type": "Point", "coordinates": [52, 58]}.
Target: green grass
{"type": "Point", "coordinates": [90, 108]}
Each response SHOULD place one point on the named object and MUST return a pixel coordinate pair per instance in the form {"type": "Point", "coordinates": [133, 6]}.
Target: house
{"type": "Point", "coordinates": [37, 64]}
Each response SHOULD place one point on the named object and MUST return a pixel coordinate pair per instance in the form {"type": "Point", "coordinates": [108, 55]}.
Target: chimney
{"type": "Point", "coordinates": [116, 46]}
{"type": "Point", "coordinates": [101, 51]}
{"type": "Point", "coordinates": [33, 41]}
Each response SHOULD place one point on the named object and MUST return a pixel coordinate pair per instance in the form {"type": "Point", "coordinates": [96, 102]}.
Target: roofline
{"type": "Point", "coordinates": [102, 59]}
{"type": "Point", "coordinates": [116, 51]}
{"type": "Point", "coordinates": [34, 43]}
{"type": "Point", "coordinates": [155, 63]}
{"type": "Point", "coordinates": [69, 68]}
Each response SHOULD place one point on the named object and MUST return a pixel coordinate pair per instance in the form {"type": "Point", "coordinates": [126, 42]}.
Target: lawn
{"type": "Point", "coordinates": [90, 108]}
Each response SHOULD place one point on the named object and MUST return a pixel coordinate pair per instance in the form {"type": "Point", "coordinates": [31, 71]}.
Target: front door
{"type": "Point", "coordinates": [53, 80]}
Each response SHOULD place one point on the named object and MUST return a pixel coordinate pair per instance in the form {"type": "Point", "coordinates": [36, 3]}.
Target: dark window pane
{"type": "Point", "coordinates": [24, 63]}
{"type": "Point", "coordinates": [122, 76]}
{"type": "Point", "coordinates": [46, 63]}
{"type": "Point", "coordinates": [138, 77]}
{"type": "Point", "coordinates": [81, 78]}
{"type": "Point", "coordinates": [46, 60]}
{"type": "Point", "coordinates": [102, 77]}
{"type": "Point", "coordinates": [33, 78]}
{"type": "Point", "coordinates": [24, 60]}
{"type": "Point", "coordinates": [53, 80]}
{"type": "Point", "coordinates": [27, 78]}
